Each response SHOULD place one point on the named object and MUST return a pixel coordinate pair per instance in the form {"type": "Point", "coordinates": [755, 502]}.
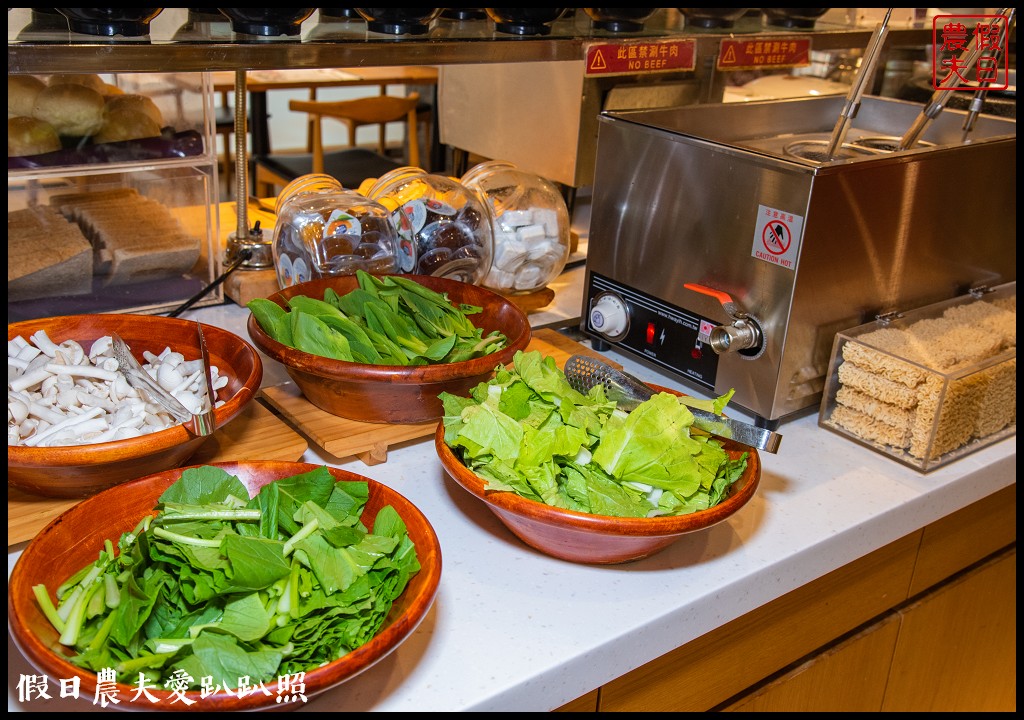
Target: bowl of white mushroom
{"type": "Point", "coordinates": [76, 425]}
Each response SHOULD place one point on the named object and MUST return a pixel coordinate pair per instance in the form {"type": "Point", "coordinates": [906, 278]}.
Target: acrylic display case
{"type": "Point", "coordinates": [112, 203]}
{"type": "Point", "coordinates": [930, 385]}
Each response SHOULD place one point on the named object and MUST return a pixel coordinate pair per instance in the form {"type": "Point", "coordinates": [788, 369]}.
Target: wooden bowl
{"type": "Point", "coordinates": [598, 539]}
{"type": "Point", "coordinates": [394, 393]}
{"type": "Point", "coordinates": [75, 471]}
{"type": "Point", "coordinates": [74, 539]}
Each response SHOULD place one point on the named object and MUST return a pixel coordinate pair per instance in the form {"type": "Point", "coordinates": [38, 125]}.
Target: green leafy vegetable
{"type": "Point", "coordinates": [529, 432]}
{"type": "Point", "coordinates": [388, 320]}
{"type": "Point", "coordinates": [273, 318]}
{"type": "Point", "coordinates": [225, 587]}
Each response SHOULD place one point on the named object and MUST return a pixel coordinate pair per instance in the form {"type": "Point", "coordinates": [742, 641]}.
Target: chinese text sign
{"type": "Point", "coordinates": [970, 52]}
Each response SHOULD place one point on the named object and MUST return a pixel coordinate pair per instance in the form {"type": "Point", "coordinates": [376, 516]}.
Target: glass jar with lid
{"type": "Point", "coordinates": [530, 225]}
{"type": "Point", "coordinates": [443, 227]}
{"type": "Point", "coordinates": [324, 230]}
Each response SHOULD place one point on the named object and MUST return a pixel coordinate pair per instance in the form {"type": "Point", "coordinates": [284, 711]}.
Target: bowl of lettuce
{"type": "Point", "coordinates": [381, 349]}
{"type": "Point", "coordinates": [577, 478]}
{"type": "Point", "coordinates": [230, 586]}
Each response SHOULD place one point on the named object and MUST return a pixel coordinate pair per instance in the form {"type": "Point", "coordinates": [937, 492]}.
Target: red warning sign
{"type": "Point", "coordinates": [776, 237]}
{"type": "Point", "coordinates": [757, 54]}
{"type": "Point", "coordinates": [641, 57]}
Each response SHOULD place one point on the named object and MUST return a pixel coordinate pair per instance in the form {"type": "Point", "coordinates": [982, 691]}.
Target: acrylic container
{"type": "Point", "coordinates": [931, 385]}
{"type": "Point", "coordinates": [113, 207]}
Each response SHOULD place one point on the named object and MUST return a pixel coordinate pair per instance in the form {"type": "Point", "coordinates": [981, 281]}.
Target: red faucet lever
{"type": "Point", "coordinates": [723, 297]}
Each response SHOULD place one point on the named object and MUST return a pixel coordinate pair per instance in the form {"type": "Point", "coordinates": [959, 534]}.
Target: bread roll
{"type": "Point", "coordinates": [137, 103]}
{"type": "Point", "coordinates": [73, 110]}
{"type": "Point", "coordinates": [126, 125]}
{"type": "Point", "coordinates": [21, 94]}
{"type": "Point", "coordinates": [89, 80]}
{"type": "Point", "coordinates": [28, 136]}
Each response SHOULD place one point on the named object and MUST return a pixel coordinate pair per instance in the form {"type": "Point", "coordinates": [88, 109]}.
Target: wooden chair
{"type": "Point", "coordinates": [349, 165]}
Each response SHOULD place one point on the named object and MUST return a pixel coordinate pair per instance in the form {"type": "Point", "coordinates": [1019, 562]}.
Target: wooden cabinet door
{"type": "Point", "coordinates": [957, 648]}
{"type": "Point", "coordinates": [848, 677]}
{"type": "Point", "coordinates": [963, 538]}
{"type": "Point", "coordinates": [713, 668]}
{"type": "Point", "coordinates": [586, 703]}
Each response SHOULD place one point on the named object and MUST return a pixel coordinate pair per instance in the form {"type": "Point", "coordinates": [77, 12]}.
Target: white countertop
{"type": "Point", "coordinates": [513, 629]}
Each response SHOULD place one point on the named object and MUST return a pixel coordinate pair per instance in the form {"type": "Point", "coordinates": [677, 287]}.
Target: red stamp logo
{"type": "Point", "coordinates": [971, 51]}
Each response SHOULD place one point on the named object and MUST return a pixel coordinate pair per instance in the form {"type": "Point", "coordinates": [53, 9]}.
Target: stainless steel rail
{"type": "Point", "coordinates": [113, 57]}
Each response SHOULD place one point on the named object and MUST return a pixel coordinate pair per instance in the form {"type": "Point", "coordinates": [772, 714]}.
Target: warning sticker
{"type": "Point", "coordinates": [641, 57]}
{"type": "Point", "coordinates": [777, 236]}
{"type": "Point", "coordinates": [761, 54]}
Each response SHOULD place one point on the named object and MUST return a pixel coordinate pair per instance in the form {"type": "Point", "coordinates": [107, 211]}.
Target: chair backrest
{"type": "Point", "coordinates": [373, 110]}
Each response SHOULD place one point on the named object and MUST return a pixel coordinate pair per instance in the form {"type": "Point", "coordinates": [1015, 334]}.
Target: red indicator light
{"type": "Point", "coordinates": [696, 354]}
{"type": "Point", "coordinates": [650, 333]}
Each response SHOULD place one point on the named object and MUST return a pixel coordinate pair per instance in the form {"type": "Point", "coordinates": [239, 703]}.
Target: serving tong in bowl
{"type": "Point", "coordinates": [585, 372]}
{"type": "Point", "coordinates": [200, 424]}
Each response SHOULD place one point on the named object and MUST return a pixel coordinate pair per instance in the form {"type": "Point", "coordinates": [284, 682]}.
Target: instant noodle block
{"type": "Point", "coordinates": [931, 385]}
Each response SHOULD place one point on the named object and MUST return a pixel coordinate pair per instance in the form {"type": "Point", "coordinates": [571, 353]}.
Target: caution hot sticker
{"type": "Point", "coordinates": [777, 235]}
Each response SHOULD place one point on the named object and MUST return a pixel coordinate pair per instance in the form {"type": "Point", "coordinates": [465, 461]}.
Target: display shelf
{"type": "Point", "coordinates": [327, 45]}
{"type": "Point", "coordinates": [122, 235]}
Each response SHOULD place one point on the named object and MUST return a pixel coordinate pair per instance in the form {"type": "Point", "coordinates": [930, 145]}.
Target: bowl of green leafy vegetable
{"type": "Point", "coordinates": [577, 478]}
{"type": "Point", "coordinates": [231, 586]}
{"type": "Point", "coordinates": [381, 349]}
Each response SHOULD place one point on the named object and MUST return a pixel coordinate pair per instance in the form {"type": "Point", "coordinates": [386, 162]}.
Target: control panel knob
{"type": "Point", "coordinates": [609, 316]}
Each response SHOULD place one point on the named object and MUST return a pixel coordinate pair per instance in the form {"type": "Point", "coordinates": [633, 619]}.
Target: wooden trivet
{"type": "Point", "coordinates": [528, 302]}
{"type": "Point", "coordinates": [337, 435]}
{"type": "Point", "coordinates": [244, 285]}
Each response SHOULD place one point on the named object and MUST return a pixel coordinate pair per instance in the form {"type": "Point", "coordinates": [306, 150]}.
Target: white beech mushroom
{"type": "Point", "coordinates": [59, 394]}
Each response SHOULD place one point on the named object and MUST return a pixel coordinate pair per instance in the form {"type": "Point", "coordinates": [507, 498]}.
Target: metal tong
{"type": "Point", "coordinates": [977, 104]}
{"type": "Point", "coordinates": [201, 424]}
{"type": "Point", "coordinates": [585, 372]}
{"type": "Point", "coordinates": [204, 423]}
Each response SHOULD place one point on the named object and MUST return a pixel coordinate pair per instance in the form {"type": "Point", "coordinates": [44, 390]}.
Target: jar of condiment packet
{"type": "Point", "coordinates": [443, 227]}
{"type": "Point", "coordinates": [324, 230]}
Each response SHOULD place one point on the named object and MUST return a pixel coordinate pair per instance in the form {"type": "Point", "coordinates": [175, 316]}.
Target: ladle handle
{"type": "Point", "coordinates": [864, 75]}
